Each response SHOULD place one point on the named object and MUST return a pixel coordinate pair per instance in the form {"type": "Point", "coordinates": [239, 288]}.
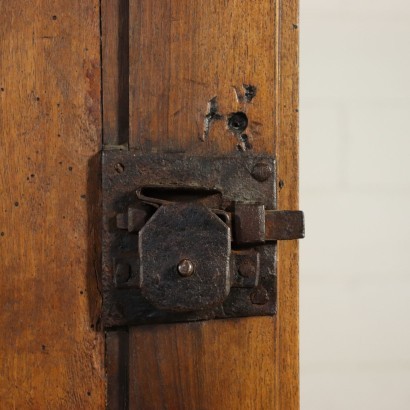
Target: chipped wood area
{"type": "Point", "coordinates": [193, 60]}
{"type": "Point", "coordinates": [51, 353]}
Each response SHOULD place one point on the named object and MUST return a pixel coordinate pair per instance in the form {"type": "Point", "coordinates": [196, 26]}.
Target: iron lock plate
{"type": "Point", "coordinates": [190, 238]}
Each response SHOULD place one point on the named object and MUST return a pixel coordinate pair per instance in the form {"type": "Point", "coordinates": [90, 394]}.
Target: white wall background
{"type": "Point", "coordinates": [355, 191]}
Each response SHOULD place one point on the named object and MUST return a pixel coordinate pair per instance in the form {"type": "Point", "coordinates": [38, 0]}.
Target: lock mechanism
{"type": "Point", "coordinates": [190, 237]}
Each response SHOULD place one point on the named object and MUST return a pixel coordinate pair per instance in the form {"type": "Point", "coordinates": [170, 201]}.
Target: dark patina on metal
{"type": "Point", "coordinates": [184, 252]}
{"type": "Point", "coordinates": [190, 237]}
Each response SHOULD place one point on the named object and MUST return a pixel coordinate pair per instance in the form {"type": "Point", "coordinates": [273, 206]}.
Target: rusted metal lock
{"type": "Point", "coordinates": [190, 238]}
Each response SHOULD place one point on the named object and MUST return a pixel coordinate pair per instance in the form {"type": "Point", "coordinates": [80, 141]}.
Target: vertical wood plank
{"type": "Point", "coordinates": [51, 356]}
{"type": "Point", "coordinates": [115, 71]}
{"type": "Point", "coordinates": [116, 353]}
{"type": "Point", "coordinates": [182, 55]}
{"type": "Point", "coordinates": [227, 364]}
{"type": "Point", "coordinates": [287, 152]}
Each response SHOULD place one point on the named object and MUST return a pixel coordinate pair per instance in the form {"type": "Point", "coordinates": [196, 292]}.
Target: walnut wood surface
{"type": "Point", "coordinates": [287, 152]}
{"type": "Point", "coordinates": [115, 69]}
{"type": "Point", "coordinates": [51, 356]}
{"type": "Point", "coordinates": [182, 55]}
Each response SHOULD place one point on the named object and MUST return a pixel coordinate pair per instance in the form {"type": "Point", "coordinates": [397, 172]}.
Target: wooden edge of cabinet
{"type": "Point", "coordinates": [288, 395]}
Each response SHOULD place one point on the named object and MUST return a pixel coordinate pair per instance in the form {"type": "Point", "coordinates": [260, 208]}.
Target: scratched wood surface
{"type": "Point", "coordinates": [190, 62]}
{"type": "Point", "coordinates": [51, 356]}
{"type": "Point", "coordinates": [185, 54]}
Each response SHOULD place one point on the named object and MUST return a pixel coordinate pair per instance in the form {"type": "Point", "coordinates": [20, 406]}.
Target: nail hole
{"type": "Point", "coordinates": [119, 168]}
{"type": "Point", "coordinates": [237, 122]}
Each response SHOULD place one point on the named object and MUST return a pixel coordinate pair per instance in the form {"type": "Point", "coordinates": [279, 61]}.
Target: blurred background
{"type": "Point", "coordinates": [355, 191]}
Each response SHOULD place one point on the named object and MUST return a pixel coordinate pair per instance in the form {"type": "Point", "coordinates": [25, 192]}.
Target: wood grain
{"type": "Point", "coordinates": [226, 364]}
{"type": "Point", "coordinates": [287, 153]}
{"type": "Point", "coordinates": [116, 364]}
{"type": "Point", "coordinates": [183, 54]}
{"type": "Point", "coordinates": [51, 356]}
{"type": "Point", "coordinates": [115, 71]}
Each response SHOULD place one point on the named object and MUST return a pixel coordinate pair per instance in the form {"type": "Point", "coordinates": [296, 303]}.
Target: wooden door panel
{"type": "Point", "coordinates": [51, 354]}
{"type": "Point", "coordinates": [182, 55]}
{"type": "Point", "coordinates": [226, 364]}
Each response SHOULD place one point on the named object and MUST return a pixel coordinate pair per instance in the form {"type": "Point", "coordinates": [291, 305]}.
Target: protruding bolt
{"type": "Point", "coordinates": [247, 268]}
{"type": "Point", "coordinates": [262, 171]}
{"type": "Point", "coordinates": [259, 296]}
{"type": "Point", "coordinates": [185, 268]}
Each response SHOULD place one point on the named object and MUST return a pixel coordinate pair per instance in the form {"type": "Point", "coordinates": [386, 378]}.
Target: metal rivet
{"type": "Point", "coordinates": [262, 171]}
{"type": "Point", "coordinates": [259, 296]}
{"type": "Point", "coordinates": [185, 268]}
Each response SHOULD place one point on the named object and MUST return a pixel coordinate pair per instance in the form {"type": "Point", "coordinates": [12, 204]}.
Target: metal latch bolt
{"type": "Point", "coordinates": [190, 238]}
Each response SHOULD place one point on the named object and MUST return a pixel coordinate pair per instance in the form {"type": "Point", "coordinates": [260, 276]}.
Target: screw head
{"type": "Point", "coordinates": [185, 268]}
{"type": "Point", "coordinates": [262, 171]}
